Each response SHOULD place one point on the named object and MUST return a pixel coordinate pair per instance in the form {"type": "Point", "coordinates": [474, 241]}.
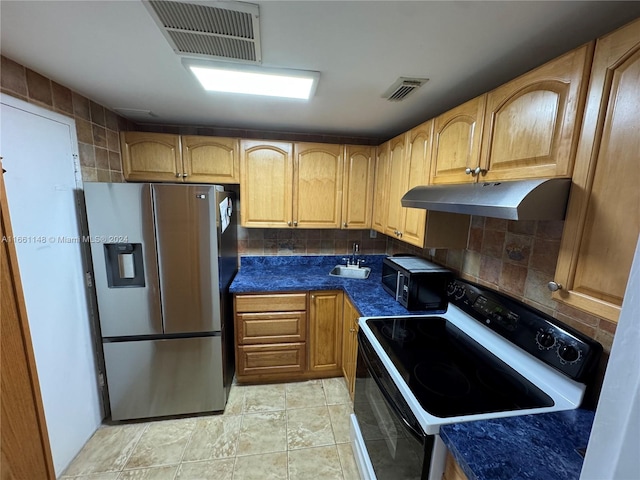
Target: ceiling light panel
{"type": "Point", "coordinates": [298, 84]}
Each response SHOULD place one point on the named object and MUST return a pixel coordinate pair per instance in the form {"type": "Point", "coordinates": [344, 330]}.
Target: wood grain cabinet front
{"type": "Point", "coordinates": [325, 332]}
{"type": "Point", "coordinates": [531, 124]}
{"type": "Point", "coordinates": [452, 470]}
{"type": "Point", "coordinates": [380, 187]}
{"type": "Point", "coordinates": [357, 192]}
{"type": "Point", "coordinates": [291, 185]}
{"type": "Point", "coordinates": [271, 336]}
{"type": "Point", "coordinates": [457, 136]}
{"type": "Point", "coordinates": [161, 157]}
{"type": "Point", "coordinates": [603, 215]}
{"type": "Point", "coordinates": [349, 344]}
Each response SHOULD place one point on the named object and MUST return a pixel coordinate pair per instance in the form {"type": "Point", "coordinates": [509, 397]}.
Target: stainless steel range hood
{"type": "Point", "coordinates": [543, 199]}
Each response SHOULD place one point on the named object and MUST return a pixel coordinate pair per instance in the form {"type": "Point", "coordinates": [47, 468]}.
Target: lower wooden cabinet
{"type": "Point", "coordinates": [349, 344]}
{"type": "Point", "coordinates": [452, 470]}
{"type": "Point", "coordinates": [271, 359]}
{"type": "Point", "coordinates": [325, 332]}
{"type": "Point", "coordinates": [288, 336]}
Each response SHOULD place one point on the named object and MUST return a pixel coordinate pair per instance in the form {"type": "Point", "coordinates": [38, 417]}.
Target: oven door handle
{"type": "Point", "coordinates": [420, 436]}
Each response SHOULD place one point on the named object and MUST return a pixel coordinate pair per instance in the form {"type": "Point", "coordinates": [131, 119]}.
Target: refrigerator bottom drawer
{"type": "Point", "coordinates": [155, 378]}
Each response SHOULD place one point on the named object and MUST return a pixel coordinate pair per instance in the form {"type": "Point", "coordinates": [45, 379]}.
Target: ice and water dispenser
{"type": "Point", "coordinates": [123, 262]}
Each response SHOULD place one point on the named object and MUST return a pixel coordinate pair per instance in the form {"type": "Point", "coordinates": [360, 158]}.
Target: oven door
{"type": "Point", "coordinates": [398, 448]}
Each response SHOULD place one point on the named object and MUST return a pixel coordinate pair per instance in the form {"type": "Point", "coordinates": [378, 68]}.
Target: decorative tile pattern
{"type": "Point", "coordinates": [299, 443]}
{"type": "Point", "coordinates": [96, 127]}
{"type": "Point", "coordinates": [309, 427]}
{"type": "Point", "coordinates": [162, 443]}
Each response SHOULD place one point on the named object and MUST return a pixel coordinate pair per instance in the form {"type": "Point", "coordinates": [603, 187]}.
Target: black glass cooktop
{"type": "Point", "coordinates": [449, 373]}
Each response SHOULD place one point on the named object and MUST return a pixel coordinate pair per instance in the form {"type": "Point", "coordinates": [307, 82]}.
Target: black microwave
{"type": "Point", "coordinates": [416, 283]}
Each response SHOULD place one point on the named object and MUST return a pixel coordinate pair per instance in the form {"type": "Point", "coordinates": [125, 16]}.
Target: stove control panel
{"type": "Point", "coordinates": [543, 336]}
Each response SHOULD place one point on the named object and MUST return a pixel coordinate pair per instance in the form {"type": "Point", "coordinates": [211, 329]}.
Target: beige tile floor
{"type": "Point", "coordinates": [290, 431]}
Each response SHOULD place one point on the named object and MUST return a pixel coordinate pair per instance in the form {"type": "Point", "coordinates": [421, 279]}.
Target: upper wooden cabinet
{"type": "Point", "coordinates": [397, 185]}
{"type": "Point", "coordinates": [161, 157]}
{"type": "Point", "coordinates": [210, 159]}
{"type": "Point", "coordinates": [531, 124]}
{"type": "Point", "coordinates": [603, 216]}
{"type": "Point", "coordinates": [291, 185]}
{"type": "Point", "coordinates": [380, 186]}
{"type": "Point", "coordinates": [266, 185]}
{"type": "Point", "coordinates": [151, 157]}
{"type": "Point", "coordinates": [408, 166]}
{"type": "Point", "coordinates": [357, 194]}
{"type": "Point", "coordinates": [317, 186]}
{"type": "Point", "coordinates": [456, 142]}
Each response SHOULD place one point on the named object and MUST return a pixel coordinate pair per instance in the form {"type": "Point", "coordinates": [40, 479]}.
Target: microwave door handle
{"type": "Point", "coordinates": [399, 285]}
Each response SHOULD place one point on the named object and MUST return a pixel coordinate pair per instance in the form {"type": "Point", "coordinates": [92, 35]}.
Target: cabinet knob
{"type": "Point", "coordinates": [400, 234]}
{"type": "Point", "coordinates": [184, 175]}
{"type": "Point", "coordinates": [178, 175]}
{"type": "Point", "coordinates": [468, 171]}
{"type": "Point", "coordinates": [295, 224]}
{"type": "Point", "coordinates": [479, 171]}
{"type": "Point", "coordinates": [352, 330]}
{"type": "Point", "coordinates": [289, 223]}
{"type": "Point", "coordinates": [554, 287]}
{"type": "Point", "coordinates": [344, 224]}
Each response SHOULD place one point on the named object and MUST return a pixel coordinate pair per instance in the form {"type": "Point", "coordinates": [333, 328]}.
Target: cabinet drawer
{"type": "Point", "coordinates": [274, 327]}
{"type": "Point", "coordinates": [285, 302]}
{"type": "Point", "coordinates": [271, 359]}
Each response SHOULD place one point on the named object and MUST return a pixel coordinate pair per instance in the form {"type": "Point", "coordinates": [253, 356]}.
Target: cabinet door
{"type": "Point", "coordinates": [532, 123]}
{"type": "Point", "coordinates": [211, 159]}
{"type": "Point", "coordinates": [151, 157]}
{"type": "Point", "coordinates": [417, 165]}
{"type": "Point", "coordinates": [379, 215]}
{"type": "Point", "coordinates": [397, 186]}
{"type": "Point", "coordinates": [350, 344]}
{"type": "Point", "coordinates": [325, 332]}
{"type": "Point", "coordinates": [456, 142]}
{"type": "Point", "coordinates": [357, 201]}
{"type": "Point", "coordinates": [317, 185]}
{"type": "Point", "coordinates": [603, 216]}
{"type": "Point", "coordinates": [266, 184]}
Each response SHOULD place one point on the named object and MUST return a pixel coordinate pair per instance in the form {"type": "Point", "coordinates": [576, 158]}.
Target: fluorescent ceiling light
{"type": "Point", "coordinates": [255, 81]}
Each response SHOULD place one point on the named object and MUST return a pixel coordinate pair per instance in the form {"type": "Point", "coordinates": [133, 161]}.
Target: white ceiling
{"type": "Point", "coordinates": [113, 53]}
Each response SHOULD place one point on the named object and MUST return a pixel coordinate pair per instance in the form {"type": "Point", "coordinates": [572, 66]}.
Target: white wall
{"type": "Point", "coordinates": [38, 147]}
{"type": "Point", "coordinates": [614, 446]}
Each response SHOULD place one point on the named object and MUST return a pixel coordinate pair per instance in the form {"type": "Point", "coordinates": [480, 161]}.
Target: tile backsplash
{"type": "Point", "coordinates": [291, 241]}
{"type": "Point", "coordinates": [97, 127]}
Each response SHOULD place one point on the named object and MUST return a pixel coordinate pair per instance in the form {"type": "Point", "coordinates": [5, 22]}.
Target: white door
{"type": "Point", "coordinates": [39, 150]}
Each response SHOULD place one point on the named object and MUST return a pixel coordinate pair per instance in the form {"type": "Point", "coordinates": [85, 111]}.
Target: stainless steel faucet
{"type": "Point", "coordinates": [354, 254]}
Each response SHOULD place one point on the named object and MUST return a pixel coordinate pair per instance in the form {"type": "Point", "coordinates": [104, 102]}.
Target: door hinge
{"type": "Point", "coordinates": [101, 379]}
{"type": "Point", "coordinates": [89, 279]}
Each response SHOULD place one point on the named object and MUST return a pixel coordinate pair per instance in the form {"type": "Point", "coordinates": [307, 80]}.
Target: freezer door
{"type": "Point", "coordinates": [155, 378]}
{"type": "Point", "coordinates": [187, 242]}
{"type": "Point", "coordinates": [123, 252]}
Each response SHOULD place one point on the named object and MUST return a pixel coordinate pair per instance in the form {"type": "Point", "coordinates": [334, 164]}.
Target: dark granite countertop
{"type": "Point", "coordinates": [290, 273]}
{"type": "Point", "coordinates": [531, 447]}
{"type": "Point", "coordinates": [527, 447]}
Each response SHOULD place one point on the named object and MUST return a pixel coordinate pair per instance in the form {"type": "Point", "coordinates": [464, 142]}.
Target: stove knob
{"type": "Point", "coordinates": [459, 293]}
{"type": "Point", "coordinates": [568, 353]}
{"type": "Point", "coordinates": [545, 340]}
{"type": "Point", "coordinates": [451, 289]}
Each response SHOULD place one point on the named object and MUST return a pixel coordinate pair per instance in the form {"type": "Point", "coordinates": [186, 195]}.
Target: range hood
{"type": "Point", "coordinates": [540, 199]}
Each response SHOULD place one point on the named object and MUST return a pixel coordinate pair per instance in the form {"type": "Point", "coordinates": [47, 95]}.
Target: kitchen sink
{"type": "Point", "coordinates": [350, 271]}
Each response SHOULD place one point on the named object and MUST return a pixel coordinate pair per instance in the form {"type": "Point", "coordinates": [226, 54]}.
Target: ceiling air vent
{"type": "Point", "coordinates": [403, 87]}
{"type": "Point", "coordinates": [214, 30]}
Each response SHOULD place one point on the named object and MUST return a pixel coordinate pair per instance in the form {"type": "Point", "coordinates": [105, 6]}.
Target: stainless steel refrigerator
{"type": "Point", "coordinates": [163, 259]}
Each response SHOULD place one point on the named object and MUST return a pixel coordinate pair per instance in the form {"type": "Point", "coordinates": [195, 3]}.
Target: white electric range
{"type": "Point", "coordinates": [488, 356]}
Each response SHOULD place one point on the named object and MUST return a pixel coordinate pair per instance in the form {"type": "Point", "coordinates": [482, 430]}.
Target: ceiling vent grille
{"type": "Point", "coordinates": [218, 30]}
{"type": "Point", "coordinates": [402, 88]}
